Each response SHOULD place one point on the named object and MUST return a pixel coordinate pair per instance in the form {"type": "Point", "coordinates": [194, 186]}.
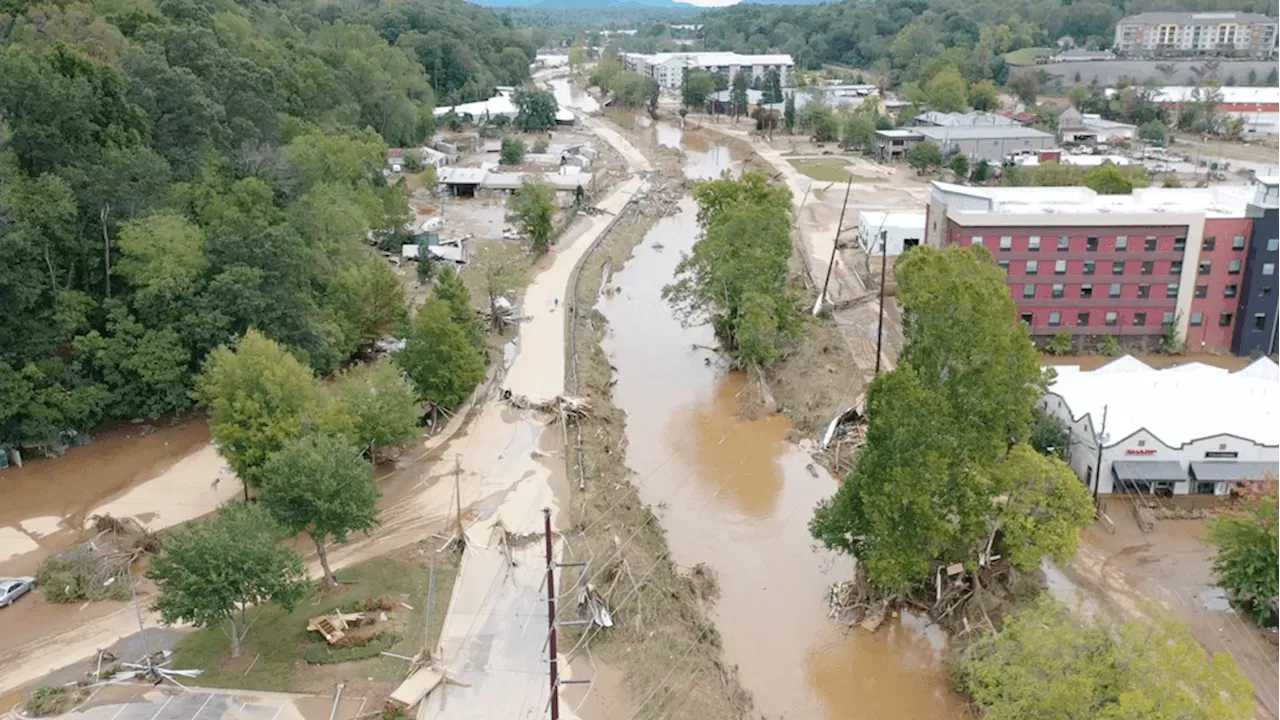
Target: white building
{"type": "Point", "coordinates": [502, 103]}
{"type": "Point", "coordinates": [668, 69]}
{"type": "Point", "coordinates": [1190, 429]}
{"type": "Point", "coordinates": [1185, 34]}
{"type": "Point", "coordinates": [1076, 127]}
{"type": "Point", "coordinates": [889, 232]}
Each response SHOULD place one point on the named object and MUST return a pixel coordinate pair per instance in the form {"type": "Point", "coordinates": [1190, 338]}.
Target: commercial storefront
{"type": "Point", "coordinates": [1191, 429]}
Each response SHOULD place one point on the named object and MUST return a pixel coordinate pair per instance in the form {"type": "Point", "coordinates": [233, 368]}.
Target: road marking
{"type": "Point", "coordinates": [122, 707]}
{"type": "Point", "coordinates": [162, 707]}
{"type": "Point", "coordinates": [206, 702]}
{"type": "Point", "coordinates": [278, 711]}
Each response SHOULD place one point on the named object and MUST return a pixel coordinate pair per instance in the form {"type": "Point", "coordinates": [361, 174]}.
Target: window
{"type": "Point", "coordinates": [1264, 292]}
{"type": "Point", "coordinates": [1208, 244]}
{"type": "Point", "coordinates": [1111, 319]}
{"type": "Point", "coordinates": [1273, 244]}
{"type": "Point", "coordinates": [1122, 243]}
{"type": "Point", "coordinates": [1033, 243]}
{"type": "Point", "coordinates": [1202, 291]}
{"type": "Point", "coordinates": [1205, 267]}
{"type": "Point", "coordinates": [1055, 319]}
{"type": "Point", "coordinates": [1091, 244]}
{"type": "Point", "coordinates": [1144, 291]}
{"type": "Point", "coordinates": [1237, 243]}
{"type": "Point", "coordinates": [1029, 290]}
{"type": "Point", "coordinates": [1064, 243]}
{"type": "Point", "coordinates": [1082, 319]}
{"type": "Point", "coordinates": [1151, 244]}
{"type": "Point", "coordinates": [1259, 322]}
{"type": "Point", "coordinates": [1004, 265]}
{"type": "Point", "coordinates": [1115, 290]}
{"type": "Point", "coordinates": [1117, 267]}
{"type": "Point", "coordinates": [1175, 267]}
{"type": "Point", "coordinates": [1006, 243]}
{"type": "Point", "coordinates": [1179, 244]}
{"type": "Point", "coordinates": [1086, 292]}
{"type": "Point", "coordinates": [1059, 290]}
{"type": "Point", "coordinates": [1197, 319]}
{"type": "Point", "coordinates": [1148, 267]}
{"type": "Point", "coordinates": [1089, 267]}
{"type": "Point", "coordinates": [1139, 319]}
{"type": "Point", "coordinates": [1060, 267]}
{"type": "Point", "coordinates": [1225, 319]}
{"type": "Point", "coordinates": [1167, 319]}
{"type": "Point", "coordinates": [1171, 290]}
{"type": "Point", "coordinates": [1028, 318]}
{"type": "Point", "coordinates": [1268, 268]}
{"type": "Point", "coordinates": [1233, 267]}
{"type": "Point", "coordinates": [1230, 290]}
{"type": "Point", "coordinates": [1033, 267]}
{"type": "Point", "coordinates": [976, 240]}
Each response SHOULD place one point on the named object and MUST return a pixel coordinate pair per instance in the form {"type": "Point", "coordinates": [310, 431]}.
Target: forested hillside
{"type": "Point", "coordinates": [902, 35]}
{"type": "Point", "coordinates": [174, 172]}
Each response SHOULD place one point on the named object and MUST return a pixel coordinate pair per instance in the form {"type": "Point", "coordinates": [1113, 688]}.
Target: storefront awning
{"type": "Point", "coordinates": [1231, 471]}
{"type": "Point", "coordinates": [1149, 470]}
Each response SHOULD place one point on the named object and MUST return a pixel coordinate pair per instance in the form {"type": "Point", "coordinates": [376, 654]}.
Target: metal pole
{"type": "Point", "coordinates": [835, 242]}
{"type": "Point", "coordinates": [133, 593]}
{"type": "Point", "coordinates": [1097, 472]}
{"type": "Point", "coordinates": [457, 491]}
{"type": "Point", "coordinates": [551, 618]}
{"type": "Point", "coordinates": [884, 245]}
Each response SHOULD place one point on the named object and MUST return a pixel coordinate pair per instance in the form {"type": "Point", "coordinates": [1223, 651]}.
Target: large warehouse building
{"type": "Point", "coordinates": [1191, 429]}
{"type": "Point", "coordinates": [1203, 260]}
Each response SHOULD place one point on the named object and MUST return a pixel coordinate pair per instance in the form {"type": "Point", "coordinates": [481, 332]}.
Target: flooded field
{"type": "Point", "coordinates": [735, 494]}
{"type": "Point", "coordinates": [569, 96]}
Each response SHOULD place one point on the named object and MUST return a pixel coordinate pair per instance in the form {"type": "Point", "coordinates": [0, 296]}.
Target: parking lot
{"type": "Point", "coordinates": [129, 702]}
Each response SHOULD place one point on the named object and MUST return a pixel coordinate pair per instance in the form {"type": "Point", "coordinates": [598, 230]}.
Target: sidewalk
{"type": "Point", "coordinates": [168, 702]}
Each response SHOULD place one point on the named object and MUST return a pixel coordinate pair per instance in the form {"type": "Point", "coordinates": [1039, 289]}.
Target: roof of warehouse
{"type": "Point", "coordinates": [1229, 94]}
{"type": "Point", "coordinates": [1177, 405]}
{"type": "Point", "coordinates": [981, 132]}
{"type": "Point", "coordinates": [1213, 201]}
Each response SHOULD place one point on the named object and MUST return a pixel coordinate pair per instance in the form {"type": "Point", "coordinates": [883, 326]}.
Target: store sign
{"type": "Point", "coordinates": [1140, 451]}
{"type": "Point", "coordinates": [1221, 454]}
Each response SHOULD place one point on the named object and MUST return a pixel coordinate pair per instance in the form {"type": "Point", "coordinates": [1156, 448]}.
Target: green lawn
{"type": "Point", "coordinates": [278, 639]}
{"type": "Point", "coordinates": [1025, 56]}
{"type": "Point", "coordinates": [825, 169]}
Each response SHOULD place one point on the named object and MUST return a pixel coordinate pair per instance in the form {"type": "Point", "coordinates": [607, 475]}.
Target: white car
{"type": "Point", "coordinates": [13, 588]}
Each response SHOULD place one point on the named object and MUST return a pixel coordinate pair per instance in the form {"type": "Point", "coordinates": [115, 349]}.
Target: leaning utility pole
{"type": "Point", "coordinates": [835, 243]}
{"type": "Point", "coordinates": [457, 491]}
{"type": "Point", "coordinates": [884, 245]}
{"type": "Point", "coordinates": [1097, 472]}
{"type": "Point", "coordinates": [551, 618]}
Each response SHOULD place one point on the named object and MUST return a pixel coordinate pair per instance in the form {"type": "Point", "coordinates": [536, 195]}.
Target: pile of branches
{"type": "Point", "coordinates": [98, 569]}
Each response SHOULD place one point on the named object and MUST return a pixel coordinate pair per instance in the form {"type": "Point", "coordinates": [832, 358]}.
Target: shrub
{"type": "Point", "coordinates": [1110, 346]}
{"type": "Point", "coordinates": [512, 151]}
{"type": "Point", "coordinates": [1060, 344]}
{"type": "Point", "coordinates": [541, 145]}
{"type": "Point", "coordinates": [50, 700]}
{"type": "Point", "coordinates": [321, 653]}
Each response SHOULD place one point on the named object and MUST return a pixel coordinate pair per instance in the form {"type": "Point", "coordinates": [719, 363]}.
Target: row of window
{"type": "Point", "coordinates": [1144, 290]}
{"type": "Point", "coordinates": [1150, 243]}
{"type": "Point", "coordinates": [1148, 267]}
{"type": "Point", "coordinates": [1112, 319]}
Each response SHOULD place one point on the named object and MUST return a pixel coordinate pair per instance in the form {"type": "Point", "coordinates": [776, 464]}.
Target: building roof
{"type": "Point", "coordinates": [713, 59]}
{"type": "Point", "coordinates": [907, 220]}
{"type": "Point", "coordinates": [462, 176]}
{"type": "Point", "coordinates": [1213, 201]}
{"type": "Point", "coordinates": [1095, 121]}
{"type": "Point", "coordinates": [1187, 18]}
{"type": "Point", "coordinates": [500, 104]}
{"type": "Point", "coordinates": [899, 133]}
{"type": "Point", "coordinates": [969, 119]}
{"type": "Point", "coordinates": [1232, 94]}
{"type": "Point", "coordinates": [1003, 132]}
{"type": "Point", "coordinates": [1177, 405]}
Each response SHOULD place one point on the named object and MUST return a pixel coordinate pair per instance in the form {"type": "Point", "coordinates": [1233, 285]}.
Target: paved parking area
{"type": "Point", "coordinates": [127, 702]}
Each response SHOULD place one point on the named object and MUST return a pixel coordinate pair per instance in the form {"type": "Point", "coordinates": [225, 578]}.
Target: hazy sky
{"type": "Point", "coordinates": [710, 3]}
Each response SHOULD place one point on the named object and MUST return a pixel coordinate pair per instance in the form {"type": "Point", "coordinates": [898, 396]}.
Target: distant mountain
{"type": "Point", "coordinates": [623, 4]}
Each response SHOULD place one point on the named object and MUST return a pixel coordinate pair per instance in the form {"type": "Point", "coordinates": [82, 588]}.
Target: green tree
{"type": "Point", "coordinates": [148, 372]}
{"type": "Point", "coordinates": [1273, 77]}
{"type": "Point", "coordinates": [1046, 663]}
{"type": "Point", "coordinates": [577, 57]}
{"type": "Point", "coordinates": [1060, 344]}
{"type": "Point", "coordinates": [512, 152]}
{"type": "Point", "coordinates": [1049, 434]}
{"type": "Point", "coordinates": [540, 146]}
{"type": "Point", "coordinates": [820, 121]}
{"type": "Point", "coordinates": [1107, 179]}
{"type": "Point", "coordinates": [859, 132]}
{"type": "Point", "coordinates": [1079, 95]}
{"type": "Point", "coordinates": [451, 289]}
{"type": "Point", "coordinates": [321, 485]}
{"type": "Point", "coordinates": [772, 87]}
{"type": "Point", "coordinates": [981, 172]}
{"type": "Point", "coordinates": [698, 85]}
{"type": "Point", "coordinates": [1109, 346]}
{"type": "Point", "coordinates": [222, 572]}
{"type": "Point", "coordinates": [1025, 86]}
{"type": "Point", "coordinates": [535, 110]}
{"type": "Point", "coordinates": [789, 113]}
{"type": "Point", "coordinates": [1153, 131]}
{"type": "Point", "coordinates": [439, 357]}
{"type": "Point", "coordinates": [533, 207]}
{"type": "Point", "coordinates": [366, 301]}
{"type": "Point", "coordinates": [1045, 508]}
{"type": "Point", "coordinates": [948, 91]}
{"type": "Point", "coordinates": [1248, 552]}
{"type": "Point", "coordinates": [496, 269]}
{"type": "Point", "coordinates": [381, 405]}
{"type": "Point", "coordinates": [738, 94]}
{"type": "Point", "coordinates": [924, 156]}
{"type": "Point", "coordinates": [984, 96]}
{"type": "Point", "coordinates": [259, 397]}
{"type": "Point", "coordinates": [960, 166]}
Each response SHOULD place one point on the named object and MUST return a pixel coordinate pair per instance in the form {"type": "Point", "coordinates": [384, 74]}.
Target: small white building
{"type": "Point", "coordinates": [889, 232]}
{"type": "Point", "coordinates": [1190, 429]}
{"type": "Point", "coordinates": [668, 69]}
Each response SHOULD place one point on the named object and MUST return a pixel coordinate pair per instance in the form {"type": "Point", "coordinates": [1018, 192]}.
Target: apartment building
{"type": "Point", "coordinates": [1202, 260]}
{"type": "Point", "coordinates": [1184, 34]}
{"type": "Point", "coordinates": [668, 69]}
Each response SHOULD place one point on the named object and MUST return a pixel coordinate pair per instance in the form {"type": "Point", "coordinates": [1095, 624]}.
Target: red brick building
{"type": "Point", "coordinates": [1120, 265]}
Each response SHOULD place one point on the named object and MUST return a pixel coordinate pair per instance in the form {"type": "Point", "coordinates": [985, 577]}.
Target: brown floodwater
{"type": "Point", "coordinates": [735, 494]}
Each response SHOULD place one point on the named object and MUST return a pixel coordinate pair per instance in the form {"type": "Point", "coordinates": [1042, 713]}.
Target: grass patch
{"type": "Point", "coordinates": [280, 641]}
{"type": "Point", "coordinates": [830, 169]}
{"type": "Point", "coordinates": [320, 653]}
{"type": "Point", "coordinates": [1025, 56]}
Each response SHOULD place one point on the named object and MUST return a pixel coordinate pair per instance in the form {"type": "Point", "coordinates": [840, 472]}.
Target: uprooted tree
{"type": "Point", "coordinates": [223, 572]}
{"type": "Point", "coordinates": [945, 475]}
{"type": "Point", "coordinates": [736, 277]}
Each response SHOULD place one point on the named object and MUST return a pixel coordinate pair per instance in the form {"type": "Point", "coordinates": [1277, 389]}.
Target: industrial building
{"type": "Point", "coordinates": [1259, 107]}
{"type": "Point", "coordinates": [1077, 127]}
{"type": "Point", "coordinates": [1188, 430]}
{"type": "Point", "coordinates": [668, 69]}
{"type": "Point", "coordinates": [890, 233]}
{"type": "Point", "coordinates": [1202, 260]}
{"type": "Point", "coordinates": [1193, 35]}
{"type": "Point", "coordinates": [990, 143]}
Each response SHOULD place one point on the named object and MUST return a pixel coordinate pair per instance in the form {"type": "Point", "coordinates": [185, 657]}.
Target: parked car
{"type": "Point", "coordinates": [13, 588]}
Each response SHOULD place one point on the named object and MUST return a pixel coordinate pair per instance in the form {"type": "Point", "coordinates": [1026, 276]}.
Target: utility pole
{"type": "Point", "coordinates": [1097, 472]}
{"type": "Point", "coordinates": [884, 248]}
{"type": "Point", "coordinates": [551, 617]}
{"type": "Point", "coordinates": [835, 242]}
{"type": "Point", "coordinates": [457, 491]}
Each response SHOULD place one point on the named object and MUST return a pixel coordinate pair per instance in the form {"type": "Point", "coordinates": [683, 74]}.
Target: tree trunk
{"type": "Point", "coordinates": [235, 637]}
{"type": "Point", "coordinates": [329, 580]}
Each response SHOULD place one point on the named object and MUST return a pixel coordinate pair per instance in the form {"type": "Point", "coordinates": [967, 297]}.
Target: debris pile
{"type": "Point", "coordinates": [352, 629]}
{"type": "Point", "coordinates": [98, 569]}
{"type": "Point", "coordinates": [591, 607]}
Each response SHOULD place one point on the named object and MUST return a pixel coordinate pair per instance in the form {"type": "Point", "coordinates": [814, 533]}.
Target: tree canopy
{"type": "Point", "coordinates": [1248, 558]}
{"type": "Point", "coordinates": [536, 110]}
{"type": "Point", "coordinates": [439, 357]}
{"type": "Point", "coordinates": [533, 206]}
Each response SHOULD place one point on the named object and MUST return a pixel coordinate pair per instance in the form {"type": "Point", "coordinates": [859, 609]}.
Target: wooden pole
{"type": "Point", "coordinates": [835, 243]}
{"type": "Point", "coordinates": [551, 618]}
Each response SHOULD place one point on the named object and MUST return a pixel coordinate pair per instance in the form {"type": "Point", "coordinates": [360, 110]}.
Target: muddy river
{"type": "Point", "coordinates": [737, 495]}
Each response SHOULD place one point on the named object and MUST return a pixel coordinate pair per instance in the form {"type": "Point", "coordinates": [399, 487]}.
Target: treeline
{"type": "Point", "coordinates": [174, 174]}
